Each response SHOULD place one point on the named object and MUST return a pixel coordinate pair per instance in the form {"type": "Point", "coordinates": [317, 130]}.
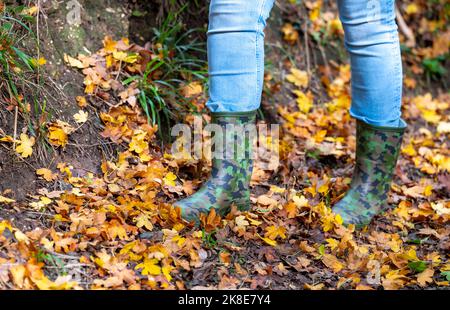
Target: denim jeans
{"type": "Point", "coordinates": [236, 57]}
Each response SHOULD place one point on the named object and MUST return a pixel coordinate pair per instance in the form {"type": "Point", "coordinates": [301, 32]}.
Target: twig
{"type": "Point", "coordinates": [38, 43]}
{"type": "Point", "coordinates": [16, 115]}
{"type": "Point", "coordinates": [411, 39]}
{"type": "Point", "coordinates": [325, 61]}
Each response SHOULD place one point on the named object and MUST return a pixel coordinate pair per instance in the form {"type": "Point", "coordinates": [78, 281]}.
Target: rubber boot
{"type": "Point", "coordinates": [232, 166]}
{"type": "Point", "coordinates": [377, 150]}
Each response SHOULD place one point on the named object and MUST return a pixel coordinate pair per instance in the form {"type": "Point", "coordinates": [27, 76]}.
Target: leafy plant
{"type": "Point", "coordinates": [433, 67]}
{"type": "Point", "coordinates": [417, 266]}
{"type": "Point", "coordinates": [209, 239]}
{"type": "Point", "coordinates": [18, 68]}
{"type": "Point", "coordinates": [180, 60]}
{"type": "Point", "coordinates": [50, 260]}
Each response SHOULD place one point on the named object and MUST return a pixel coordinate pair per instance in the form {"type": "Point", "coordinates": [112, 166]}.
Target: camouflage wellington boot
{"type": "Point", "coordinates": [377, 150]}
{"type": "Point", "coordinates": [232, 166]}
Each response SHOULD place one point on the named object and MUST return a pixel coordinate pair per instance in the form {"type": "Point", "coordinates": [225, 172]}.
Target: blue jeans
{"type": "Point", "coordinates": [236, 57]}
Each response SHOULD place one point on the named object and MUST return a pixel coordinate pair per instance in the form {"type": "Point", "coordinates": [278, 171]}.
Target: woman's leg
{"type": "Point", "coordinates": [372, 40]}
{"type": "Point", "coordinates": [236, 53]}
{"type": "Point", "coordinates": [236, 67]}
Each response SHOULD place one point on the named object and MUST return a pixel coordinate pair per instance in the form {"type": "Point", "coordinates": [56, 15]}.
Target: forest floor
{"type": "Point", "coordinates": [87, 178]}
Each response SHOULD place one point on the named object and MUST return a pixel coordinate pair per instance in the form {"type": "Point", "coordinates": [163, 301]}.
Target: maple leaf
{"type": "Point", "coordinates": [81, 117]}
{"type": "Point", "coordinates": [149, 267]}
{"type": "Point", "coordinates": [298, 78]}
{"type": "Point", "coordinates": [192, 89]}
{"type": "Point", "coordinates": [58, 133]}
{"type": "Point", "coordinates": [47, 174]}
{"type": "Point", "coordinates": [115, 229]}
{"type": "Point", "coordinates": [169, 179]}
{"type": "Point", "coordinates": [425, 277]}
{"type": "Point", "coordinates": [143, 220]}
{"type": "Point", "coordinates": [273, 232]}
{"type": "Point", "coordinates": [138, 143]}
{"type": "Point", "coordinates": [73, 62]}
{"type": "Point", "coordinates": [304, 101]}
{"type": "Point", "coordinates": [332, 262]}
{"type": "Point", "coordinates": [25, 146]}
{"type": "Point", "coordinates": [241, 221]}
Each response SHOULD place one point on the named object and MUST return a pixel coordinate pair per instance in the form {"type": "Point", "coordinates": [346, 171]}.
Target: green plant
{"type": "Point", "coordinates": [50, 260]}
{"type": "Point", "coordinates": [433, 67]}
{"type": "Point", "coordinates": [180, 60]}
{"type": "Point", "coordinates": [19, 70]}
{"type": "Point", "coordinates": [417, 266]}
{"type": "Point", "coordinates": [209, 239]}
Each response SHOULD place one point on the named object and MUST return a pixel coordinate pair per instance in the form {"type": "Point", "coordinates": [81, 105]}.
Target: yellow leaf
{"type": "Point", "coordinates": [46, 174]}
{"type": "Point", "coordinates": [411, 255]}
{"type": "Point", "coordinates": [57, 136]}
{"type": "Point", "coordinates": [412, 9]}
{"type": "Point", "coordinates": [409, 150]}
{"type": "Point", "coordinates": [320, 136]}
{"type": "Point", "coordinates": [25, 146]}
{"type": "Point", "coordinates": [138, 143]}
{"type": "Point", "coordinates": [6, 200]}
{"type": "Point", "coordinates": [431, 116]}
{"type": "Point", "coordinates": [276, 189]}
{"type": "Point", "coordinates": [268, 241]}
{"type": "Point", "coordinates": [298, 78]}
{"type": "Point", "coordinates": [4, 225]}
{"type": "Point", "coordinates": [169, 179]}
{"type": "Point", "coordinates": [428, 190]}
{"type": "Point", "coordinates": [241, 221]}
{"type": "Point", "coordinates": [38, 62]}
{"type": "Point", "coordinates": [82, 102]}
{"type": "Point", "coordinates": [81, 117]}
{"type": "Point", "coordinates": [125, 57]}
{"type": "Point", "coordinates": [7, 139]}
{"type": "Point", "coordinates": [149, 267]}
{"type": "Point", "coordinates": [144, 221]}
{"type": "Point", "coordinates": [115, 229]}
{"type": "Point", "coordinates": [290, 35]}
{"type": "Point", "coordinates": [58, 133]}
{"type": "Point", "coordinates": [332, 243]}
{"type": "Point", "coordinates": [304, 101]}
{"type": "Point", "coordinates": [272, 232]}
{"type": "Point", "coordinates": [166, 272]}
{"type": "Point", "coordinates": [425, 277]}
{"type": "Point", "coordinates": [32, 10]}
{"type": "Point", "coordinates": [109, 44]}
{"type": "Point", "coordinates": [338, 219]}
{"type": "Point", "coordinates": [300, 202]}
{"type": "Point", "coordinates": [114, 188]}
{"type": "Point", "coordinates": [18, 275]}
{"type": "Point", "coordinates": [20, 236]}
{"type": "Point", "coordinates": [73, 62]}
{"type": "Point", "coordinates": [192, 89]}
